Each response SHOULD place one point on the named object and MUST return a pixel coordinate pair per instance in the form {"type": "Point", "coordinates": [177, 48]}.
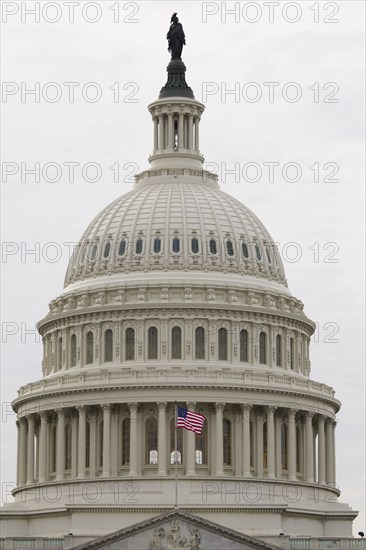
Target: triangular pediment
{"type": "Point", "coordinates": [176, 530]}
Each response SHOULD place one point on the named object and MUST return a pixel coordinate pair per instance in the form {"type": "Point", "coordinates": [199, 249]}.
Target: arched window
{"type": "Point", "coordinates": [73, 350]}
{"type": "Point", "coordinates": [151, 433]}
{"type": "Point", "coordinates": [263, 348]}
{"type": "Point", "coordinates": [176, 343]}
{"type": "Point", "coordinates": [202, 447]}
{"type": "Point", "coordinates": [278, 350]}
{"type": "Point", "coordinates": [244, 345]}
{"type": "Point", "coordinates": [265, 444]}
{"type": "Point", "coordinates": [100, 444]}
{"type": "Point", "coordinates": [292, 353]}
{"type": "Point", "coordinates": [152, 352]}
{"type": "Point", "coordinates": [227, 441]}
{"type": "Point", "coordinates": [244, 249]}
{"type": "Point", "coordinates": [126, 430]}
{"type": "Point", "coordinates": [230, 248]}
{"type": "Point", "coordinates": [258, 252]}
{"type": "Point", "coordinates": [157, 245]}
{"type": "Point", "coordinates": [59, 354]}
{"type": "Point", "coordinates": [89, 347]}
{"type": "Point", "coordinates": [138, 246]}
{"type": "Point", "coordinates": [223, 344]}
{"type": "Point", "coordinates": [176, 454]}
{"type": "Point", "coordinates": [298, 449]}
{"type": "Point", "coordinates": [284, 446]}
{"type": "Point", "coordinates": [130, 344]}
{"type": "Point", "coordinates": [200, 343]}
{"type": "Point", "coordinates": [108, 345]}
{"type": "Point", "coordinates": [251, 436]}
{"type": "Point", "coordinates": [87, 444]}
{"type": "Point", "coordinates": [93, 252]}
{"type": "Point", "coordinates": [194, 246]}
{"type": "Point", "coordinates": [213, 246]}
{"type": "Point", "coordinates": [68, 438]}
{"type": "Point", "coordinates": [176, 245]}
{"type": "Point", "coordinates": [122, 248]}
{"type": "Point", "coordinates": [107, 249]}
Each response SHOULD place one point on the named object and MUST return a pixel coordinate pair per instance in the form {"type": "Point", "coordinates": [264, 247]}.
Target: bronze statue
{"type": "Point", "coordinates": [176, 38]}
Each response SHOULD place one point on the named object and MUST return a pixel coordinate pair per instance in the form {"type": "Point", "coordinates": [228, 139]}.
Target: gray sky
{"type": "Point", "coordinates": [307, 80]}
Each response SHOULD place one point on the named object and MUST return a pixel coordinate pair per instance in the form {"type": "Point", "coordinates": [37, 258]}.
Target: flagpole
{"type": "Point", "coordinates": [176, 456]}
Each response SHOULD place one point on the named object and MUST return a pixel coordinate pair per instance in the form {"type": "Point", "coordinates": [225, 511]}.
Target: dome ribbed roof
{"type": "Point", "coordinates": [121, 238]}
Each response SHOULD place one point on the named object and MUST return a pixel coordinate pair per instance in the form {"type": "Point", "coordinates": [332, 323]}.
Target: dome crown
{"type": "Point", "coordinates": [173, 223]}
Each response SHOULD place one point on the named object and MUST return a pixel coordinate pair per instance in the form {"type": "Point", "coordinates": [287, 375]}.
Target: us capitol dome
{"type": "Point", "coordinates": [176, 293]}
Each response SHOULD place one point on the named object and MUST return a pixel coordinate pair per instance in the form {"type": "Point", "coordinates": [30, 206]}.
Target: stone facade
{"type": "Point", "coordinates": [176, 294]}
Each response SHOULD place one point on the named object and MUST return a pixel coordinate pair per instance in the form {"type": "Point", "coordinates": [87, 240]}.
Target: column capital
{"type": "Point", "coordinates": [291, 413]}
{"type": "Point", "coordinates": [162, 405]}
{"type": "Point", "coordinates": [23, 420]}
{"type": "Point", "coordinates": [246, 410]}
{"type": "Point", "coordinates": [43, 415]}
{"type": "Point", "coordinates": [30, 418]}
{"type": "Point", "coordinates": [329, 420]}
{"type": "Point", "coordinates": [321, 418]}
{"type": "Point", "coordinates": [309, 415]}
{"type": "Point", "coordinates": [219, 407]}
{"type": "Point", "coordinates": [191, 404]}
{"type": "Point", "coordinates": [133, 407]}
{"type": "Point", "coordinates": [61, 412]}
{"type": "Point", "coordinates": [106, 407]}
{"type": "Point", "coordinates": [271, 409]}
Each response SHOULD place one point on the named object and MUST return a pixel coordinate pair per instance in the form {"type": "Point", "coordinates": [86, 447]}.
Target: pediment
{"type": "Point", "coordinates": [176, 530]}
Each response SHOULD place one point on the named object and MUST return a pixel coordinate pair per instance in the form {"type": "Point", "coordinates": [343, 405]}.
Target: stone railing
{"type": "Point", "coordinates": [174, 375]}
{"type": "Point", "coordinates": [34, 543]}
{"type": "Point", "coordinates": [335, 543]}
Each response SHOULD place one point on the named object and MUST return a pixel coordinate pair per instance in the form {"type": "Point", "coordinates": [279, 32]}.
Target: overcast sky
{"type": "Point", "coordinates": [296, 73]}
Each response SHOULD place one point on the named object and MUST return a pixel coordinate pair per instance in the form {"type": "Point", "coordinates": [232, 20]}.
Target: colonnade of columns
{"type": "Point", "coordinates": [176, 131]}
{"type": "Point", "coordinates": [265, 442]}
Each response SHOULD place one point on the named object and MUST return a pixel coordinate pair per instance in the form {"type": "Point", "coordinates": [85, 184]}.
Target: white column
{"type": "Point", "coordinates": [23, 451]}
{"type": "Point", "coordinates": [246, 440]}
{"type": "Point", "coordinates": [170, 131]}
{"type": "Point", "coordinates": [18, 452]}
{"type": "Point", "coordinates": [60, 446]}
{"type": "Point", "coordinates": [270, 442]}
{"type": "Point", "coordinates": [43, 448]}
{"type": "Point", "coordinates": [309, 447]}
{"type": "Point", "coordinates": [106, 440]}
{"type": "Point", "coordinates": [81, 442]}
{"type": "Point", "coordinates": [321, 451]}
{"type": "Point", "coordinates": [329, 451]}
{"type": "Point", "coordinates": [161, 132]}
{"type": "Point", "coordinates": [74, 444]}
{"type": "Point", "coordinates": [190, 447]}
{"type": "Point", "coordinates": [334, 454]}
{"type": "Point", "coordinates": [133, 439]}
{"type": "Point", "coordinates": [156, 132]}
{"type": "Point", "coordinates": [196, 132]}
{"type": "Point", "coordinates": [190, 132]}
{"type": "Point", "coordinates": [291, 462]}
{"type": "Point", "coordinates": [30, 449]}
{"type": "Point", "coordinates": [259, 430]}
{"type": "Point", "coordinates": [181, 131]}
{"type": "Point", "coordinates": [219, 439]}
{"type": "Point", "coordinates": [162, 440]}
{"type": "Point", "coordinates": [278, 423]}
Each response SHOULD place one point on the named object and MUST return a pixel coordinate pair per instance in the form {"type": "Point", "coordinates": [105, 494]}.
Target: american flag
{"type": "Point", "coordinates": [189, 420]}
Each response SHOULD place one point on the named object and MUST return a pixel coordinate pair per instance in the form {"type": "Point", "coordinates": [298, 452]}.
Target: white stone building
{"type": "Point", "coordinates": [176, 294]}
